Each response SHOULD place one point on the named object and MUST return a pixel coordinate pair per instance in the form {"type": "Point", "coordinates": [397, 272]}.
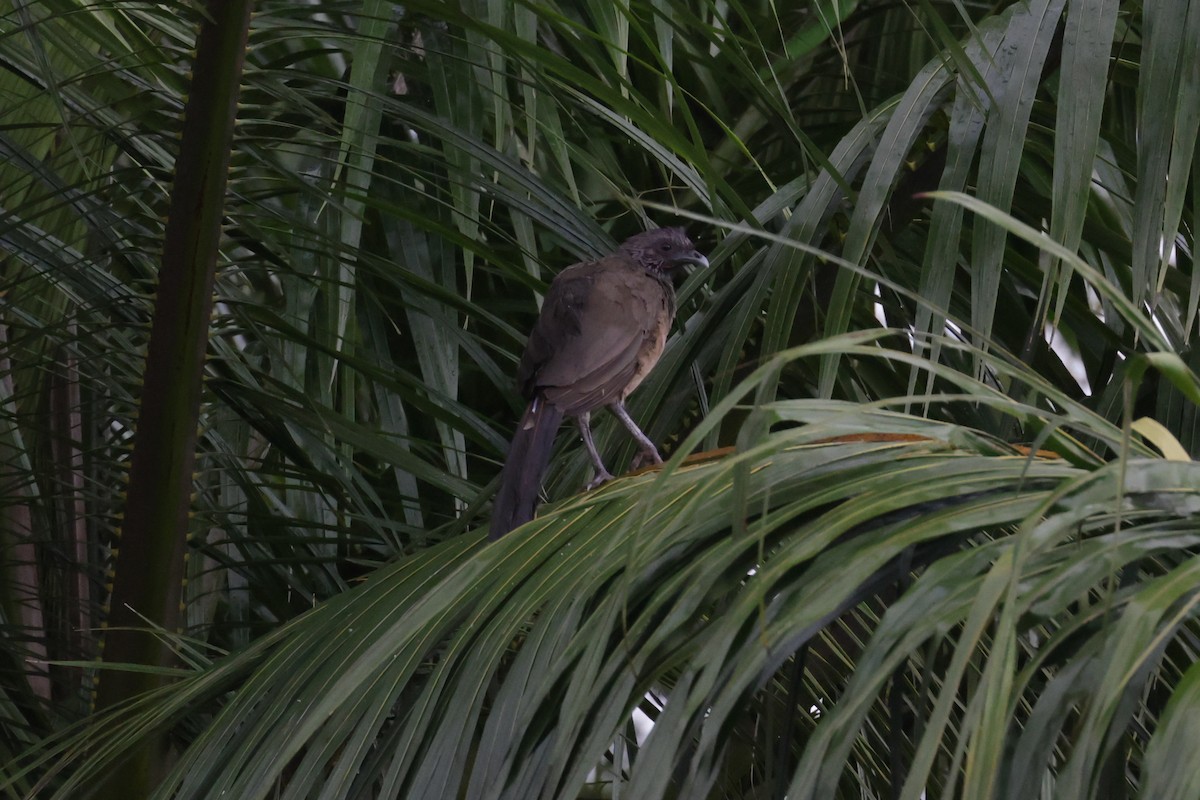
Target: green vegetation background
{"type": "Point", "coordinates": [874, 593]}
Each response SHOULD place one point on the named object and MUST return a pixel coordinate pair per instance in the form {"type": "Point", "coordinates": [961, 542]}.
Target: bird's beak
{"type": "Point", "coordinates": [694, 257]}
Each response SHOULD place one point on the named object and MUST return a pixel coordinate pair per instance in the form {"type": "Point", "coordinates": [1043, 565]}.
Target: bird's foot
{"type": "Point", "coordinates": [602, 477]}
{"type": "Point", "coordinates": [645, 458]}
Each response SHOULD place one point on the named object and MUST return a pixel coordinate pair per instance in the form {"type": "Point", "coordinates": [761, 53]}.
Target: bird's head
{"type": "Point", "coordinates": [662, 249]}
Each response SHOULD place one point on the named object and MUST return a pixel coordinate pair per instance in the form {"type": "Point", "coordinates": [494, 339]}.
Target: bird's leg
{"type": "Point", "coordinates": [649, 451]}
{"type": "Point", "coordinates": [585, 430]}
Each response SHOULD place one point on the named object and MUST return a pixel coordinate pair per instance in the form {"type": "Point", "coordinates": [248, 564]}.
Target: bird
{"type": "Point", "coordinates": [601, 329]}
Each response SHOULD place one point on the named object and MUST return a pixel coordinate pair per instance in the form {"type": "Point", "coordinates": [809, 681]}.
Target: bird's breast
{"type": "Point", "coordinates": [658, 314]}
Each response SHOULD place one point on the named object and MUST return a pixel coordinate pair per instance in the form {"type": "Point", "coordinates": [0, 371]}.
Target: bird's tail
{"type": "Point", "coordinates": [521, 478]}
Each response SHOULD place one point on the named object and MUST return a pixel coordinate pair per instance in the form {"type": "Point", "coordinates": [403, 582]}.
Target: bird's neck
{"type": "Point", "coordinates": [664, 280]}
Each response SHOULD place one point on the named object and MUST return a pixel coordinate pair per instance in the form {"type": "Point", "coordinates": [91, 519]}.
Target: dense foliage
{"type": "Point", "coordinates": [930, 525]}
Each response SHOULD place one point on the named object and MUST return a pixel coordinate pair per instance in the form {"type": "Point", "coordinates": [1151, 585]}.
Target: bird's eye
{"type": "Point", "coordinates": [665, 246]}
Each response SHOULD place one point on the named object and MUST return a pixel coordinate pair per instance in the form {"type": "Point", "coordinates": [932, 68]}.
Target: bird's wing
{"type": "Point", "coordinates": [584, 350]}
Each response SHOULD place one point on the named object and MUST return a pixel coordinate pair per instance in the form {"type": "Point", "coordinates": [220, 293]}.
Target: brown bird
{"type": "Point", "coordinates": [601, 330]}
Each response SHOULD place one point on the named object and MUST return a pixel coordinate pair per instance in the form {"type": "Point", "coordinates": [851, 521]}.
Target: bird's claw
{"type": "Point", "coordinates": [600, 479]}
{"type": "Point", "coordinates": [645, 458]}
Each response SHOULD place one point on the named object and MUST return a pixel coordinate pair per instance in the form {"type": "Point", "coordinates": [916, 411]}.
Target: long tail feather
{"type": "Point", "coordinates": [521, 479]}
